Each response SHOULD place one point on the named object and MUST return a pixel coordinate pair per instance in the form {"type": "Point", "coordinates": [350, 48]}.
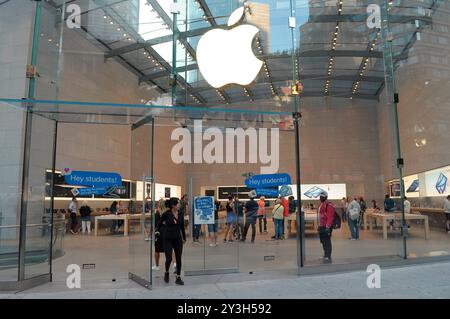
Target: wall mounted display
{"type": "Point", "coordinates": [432, 183]}
{"type": "Point", "coordinates": [412, 187]}
{"type": "Point", "coordinates": [161, 191]}
{"type": "Point", "coordinates": [437, 182]}
{"type": "Point", "coordinates": [312, 191]}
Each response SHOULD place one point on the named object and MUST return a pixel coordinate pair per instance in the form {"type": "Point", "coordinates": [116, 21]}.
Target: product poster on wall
{"type": "Point", "coordinates": [437, 182]}
{"type": "Point", "coordinates": [161, 191]}
{"type": "Point", "coordinates": [312, 191]}
{"type": "Point", "coordinates": [203, 210]}
{"type": "Point", "coordinates": [411, 186]}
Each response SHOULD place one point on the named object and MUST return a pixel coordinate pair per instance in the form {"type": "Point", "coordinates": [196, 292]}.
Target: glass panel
{"type": "Point", "coordinates": [422, 76]}
{"type": "Point", "coordinates": [38, 214]}
{"type": "Point", "coordinates": [10, 171]}
{"type": "Point", "coordinates": [141, 231]}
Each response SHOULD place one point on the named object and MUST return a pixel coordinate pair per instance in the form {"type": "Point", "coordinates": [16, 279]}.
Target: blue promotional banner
{"type": "Point", "coordinates": [93, 179]}
{"type": "Point", "coordinates": [91, 191]}
{"type": "Point", "coordinates": [267, 180]}
{"type": "Point", "coordinates": [267, 192]}
{"type": "Point", "coordinates": [108, 192]}
{"type": "Point", "coordinates": [204, 210]}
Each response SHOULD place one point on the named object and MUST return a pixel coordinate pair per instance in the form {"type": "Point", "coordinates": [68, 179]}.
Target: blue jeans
{"type": "Point", "coordinates": [278, 228]}
{"type": "Point", "coordinates": [354, 228]}
{"type": "Point", "coordinates": [113, 225]}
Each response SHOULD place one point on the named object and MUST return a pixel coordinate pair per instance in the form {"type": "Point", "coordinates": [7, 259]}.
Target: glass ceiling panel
{"type": "Point", "coordinates": [151, 25]}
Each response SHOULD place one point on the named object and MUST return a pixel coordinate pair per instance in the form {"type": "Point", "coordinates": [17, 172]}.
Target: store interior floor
{"type": "Point", "coordinates": [114, 255]}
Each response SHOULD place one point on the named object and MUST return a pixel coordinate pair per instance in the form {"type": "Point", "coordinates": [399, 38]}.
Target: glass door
{"type": "Point", "coordinates": [141, 218]}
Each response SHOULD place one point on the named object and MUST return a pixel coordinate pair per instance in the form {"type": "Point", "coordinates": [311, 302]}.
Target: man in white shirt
{"type": "Point", "coordinates": [407, 205]}
{"type": "Point", "coordinates": [447, 213]}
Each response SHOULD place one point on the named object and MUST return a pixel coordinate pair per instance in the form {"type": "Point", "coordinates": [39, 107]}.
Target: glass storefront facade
{"type": "Point", "coordinates": [194, 96]}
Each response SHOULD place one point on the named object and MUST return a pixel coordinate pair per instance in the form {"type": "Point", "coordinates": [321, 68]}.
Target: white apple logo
{"type": "Point", "coordinates": [226, 56]}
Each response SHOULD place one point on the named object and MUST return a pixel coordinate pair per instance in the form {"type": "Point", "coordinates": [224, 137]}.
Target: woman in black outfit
{"type": "Point", "coordinates": [173, 235]}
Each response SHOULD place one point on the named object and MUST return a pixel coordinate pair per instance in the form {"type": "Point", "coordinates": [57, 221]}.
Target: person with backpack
{"type": "Point", "coordinates": [353, 213]}
{"type": "Point", "coordinates": [326, 222]}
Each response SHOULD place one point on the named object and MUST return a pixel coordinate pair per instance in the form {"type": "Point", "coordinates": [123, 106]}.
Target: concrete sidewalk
{"type": "Point", "coordinates": [418, 281]}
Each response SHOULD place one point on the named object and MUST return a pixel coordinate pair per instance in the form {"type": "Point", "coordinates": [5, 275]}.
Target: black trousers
{"type": "Point", "coordinates": [262, 218]}
{"type": "Point", "coordinates": [325, 240]}
{"type": "Point", "coordinates": [175, 245]}
{"type": "Point", "coordinates": [250, 221]}
{"type": "Point", "coordinates": [73, 223]}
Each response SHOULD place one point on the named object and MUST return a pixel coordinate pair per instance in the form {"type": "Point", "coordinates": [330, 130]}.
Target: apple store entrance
{"type": "Point", "coordinates": [249, 112]}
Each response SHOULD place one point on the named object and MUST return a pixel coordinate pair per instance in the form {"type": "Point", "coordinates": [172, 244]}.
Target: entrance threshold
{"type": "Point", "coordinates": [361, 265]}
{"type": "Point", "coordinates": [218, 271]}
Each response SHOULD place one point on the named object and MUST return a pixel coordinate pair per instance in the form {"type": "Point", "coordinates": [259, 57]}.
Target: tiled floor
{"type": "Point", "coordinates": [114, 255]}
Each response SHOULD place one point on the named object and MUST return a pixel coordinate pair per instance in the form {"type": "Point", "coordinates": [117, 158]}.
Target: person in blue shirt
{"type": "Point", "coordinates": [389, 204]}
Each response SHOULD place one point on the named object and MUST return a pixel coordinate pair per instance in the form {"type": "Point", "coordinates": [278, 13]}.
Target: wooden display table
{"type": "Point", "coordinates": [124, 217]}
{"type": "Point", "coordinates": [310, 217]}
{"type": "Point", "coordinates": [427, 210]}
{"type": "Point", "coordinates": [385, 218]}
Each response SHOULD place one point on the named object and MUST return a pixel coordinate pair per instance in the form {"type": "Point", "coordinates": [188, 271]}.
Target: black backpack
{"type": "Point", "coordinates": [336, 219]}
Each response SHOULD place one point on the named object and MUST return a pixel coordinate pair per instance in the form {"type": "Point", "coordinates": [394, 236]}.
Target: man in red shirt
{"type": "Point", "coordinates": [326, 217]}
{"type": "Point", "coordinates": [285, 204]}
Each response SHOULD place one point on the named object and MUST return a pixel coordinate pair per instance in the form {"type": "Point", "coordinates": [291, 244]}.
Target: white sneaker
{"type": "Point", "coordinates": [155, 267]}
{"type": "Point", "coordinates": [212, 245]}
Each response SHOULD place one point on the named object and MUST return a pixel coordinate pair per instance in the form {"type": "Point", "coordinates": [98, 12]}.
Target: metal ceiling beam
{"type": "Point", "coordinates": [180, 80]}
{"type": "Point", "coordinates": [328, 18]}
{"type": "Point", "coordinates": [264, 79]}
{"type": "Point", "coordinates": [166, 72]}
{"type": "Point", "coordinates": [208, 14]}
{"type": "Point", "coordinates": [341, 53]}
{"type": "Point", "coordinates": [168, 21]}
{"type": "Point", "coordinates": [137, 36]}
{"type": "Point", "coordinates": [163, 39]}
